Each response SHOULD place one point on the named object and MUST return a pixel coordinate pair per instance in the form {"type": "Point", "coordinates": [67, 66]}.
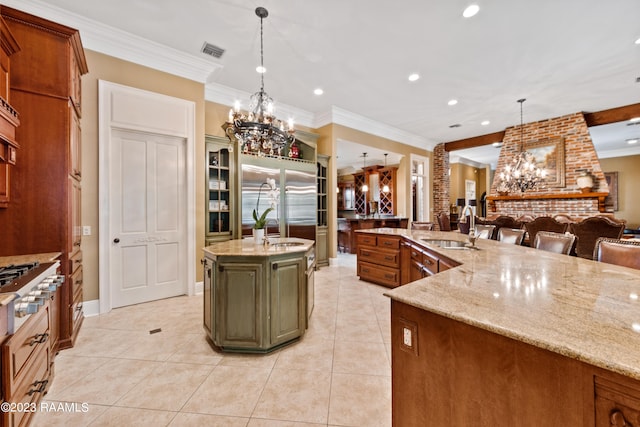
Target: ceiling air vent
{"type": "Point", "coordinates": [212, 50]}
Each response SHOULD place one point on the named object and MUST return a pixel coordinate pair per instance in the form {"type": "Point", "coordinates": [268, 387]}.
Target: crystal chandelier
{"type": "Point", "coordinates": [258, 131]}
{"type": "Point", "coordinates": [521, 174]}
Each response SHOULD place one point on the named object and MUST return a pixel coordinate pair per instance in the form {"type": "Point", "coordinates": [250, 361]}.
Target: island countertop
{"type": "Point", "coordinates": [247, 247]}
{"type": "Point", "coordinates": [582, 309]}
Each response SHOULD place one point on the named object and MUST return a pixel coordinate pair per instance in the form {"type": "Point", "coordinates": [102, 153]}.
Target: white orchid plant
{"type": "Point", "coordinates": [274, 195]}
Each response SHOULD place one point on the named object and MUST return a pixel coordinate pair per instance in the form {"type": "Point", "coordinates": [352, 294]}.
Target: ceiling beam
{"type": "Point", "coordinates": [476, 141]}
{"type": "Point", "coordinates": [604, 117]}
{"type": "Point", "coordinates": [612, 115]}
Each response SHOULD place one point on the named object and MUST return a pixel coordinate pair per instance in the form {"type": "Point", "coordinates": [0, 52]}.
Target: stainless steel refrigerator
{"type": "Point", "coordinates": [296, 211]}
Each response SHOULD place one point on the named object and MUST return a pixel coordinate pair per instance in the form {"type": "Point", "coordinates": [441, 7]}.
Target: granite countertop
{"type": "Point", "coordinates": [247, 247]}
{"type": "Point", "coordinates": [582, 309]}
{"type": "Point", "coordinates": [7, 297]}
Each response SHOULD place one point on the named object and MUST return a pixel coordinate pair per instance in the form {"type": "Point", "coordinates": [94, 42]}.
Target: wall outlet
{"type": "Point", "coordinates": [86, 230]}
{"type": "Point", "coordinates": [406, 337]}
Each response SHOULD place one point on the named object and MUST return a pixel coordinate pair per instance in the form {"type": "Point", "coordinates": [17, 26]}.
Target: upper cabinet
{"type": "Point", "coordinates": [221, 181]}
{"type": "Point", "coordinates": [8, 115]}
{"type": "Point", "coordinates": [380, 195]}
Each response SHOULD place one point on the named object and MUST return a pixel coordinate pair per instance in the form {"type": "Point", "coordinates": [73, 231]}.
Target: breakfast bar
{"type": "Point", "coordinates": [514, 336]}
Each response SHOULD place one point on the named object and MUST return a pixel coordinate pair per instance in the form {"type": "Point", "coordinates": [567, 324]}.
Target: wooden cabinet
{"type": "Point", "coordinates": [396, 260]}
{"type": "Point", "coordinates": [617, 402]}
{"type": "Point", "coordinates": [346, 196]}
{"type": "Point", "coordinates": [8, 115]}
{"type": "Point", "coordinates": [45, 212]}
{"type": "Point", "coordinates": [26, 366]}
{"type": "Point", "coordinates": [453, 373]}
{"type": "Point", "coordinates": [220, 196]}
{"type": "Point", "coordinates": [379, 259]}
{"type": "Point", "coordinates": [255, 304]}
{"type": "Point", "coordinates": [322, 226]}
{"type": "Point", "coordinates": [376, 178]}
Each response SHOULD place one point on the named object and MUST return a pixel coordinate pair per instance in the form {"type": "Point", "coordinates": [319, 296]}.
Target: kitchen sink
{"type": "Point", "coordinates": [447, 244]}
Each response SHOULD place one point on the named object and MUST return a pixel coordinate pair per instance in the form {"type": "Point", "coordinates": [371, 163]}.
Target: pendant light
{"type": "Point", "coordinates": [385, 187]}
{"type": "Point", "coordinates": [365, 187]}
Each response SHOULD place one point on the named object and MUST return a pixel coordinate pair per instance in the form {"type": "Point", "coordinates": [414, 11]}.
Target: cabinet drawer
{"type": "Point", "coordinates": [19, 352]}
{"type": "Point", "coordinates": [382, 275]}
{"type": "Point", "coordinates": [388, 242]}
{"type": "Point", "coordinates": [76, 281]}
{"type": "Point", "coordinates": [379, 256]}
{"type": "Point", "coordinates": [34, 385]}
{"type": "Point", "coordinates": [416, 254]}
{"type": "Point", "coordinates": [75, 261]}
{"type": "Point", "coordinates": [76, 311]}
{"type": "Point", "coordinates": [617, 403]}
{"type": "Point", "coordinates": [430, 262]}
{"type": "Point", "coordinates": [366, 239]}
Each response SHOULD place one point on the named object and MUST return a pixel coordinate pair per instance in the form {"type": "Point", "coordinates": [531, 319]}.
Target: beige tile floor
{"type": "Point", "coordinates": [337, 375]}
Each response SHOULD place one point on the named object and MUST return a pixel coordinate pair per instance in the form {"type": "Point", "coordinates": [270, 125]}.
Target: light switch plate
{"type": "Point", "coordinates": [86, 230]}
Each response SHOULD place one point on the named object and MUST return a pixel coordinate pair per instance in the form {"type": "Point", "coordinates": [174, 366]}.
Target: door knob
{"type": "Point", "coordinates": [116, 240]}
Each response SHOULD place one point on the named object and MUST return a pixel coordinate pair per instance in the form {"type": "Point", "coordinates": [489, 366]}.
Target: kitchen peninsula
{"type": "Point", "coordinates": [514, 336]}
{"type": "Point", "coordinates": [258, 297]}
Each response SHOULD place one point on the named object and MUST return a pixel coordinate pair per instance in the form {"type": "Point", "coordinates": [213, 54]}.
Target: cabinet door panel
{"type": "Point", "coordinates": [239, 294]}
{"type": "Point", "coordinates": [287, 300]}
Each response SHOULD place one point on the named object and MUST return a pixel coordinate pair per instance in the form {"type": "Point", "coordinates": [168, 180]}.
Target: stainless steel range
{"type": "Point", "coordinates": [31, 284]}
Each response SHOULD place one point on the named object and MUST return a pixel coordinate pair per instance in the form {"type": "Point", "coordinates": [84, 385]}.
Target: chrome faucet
{"type": "Point", "coordinates": [266, 230]}
{"type": "Point", "coordinates": [472, 227]}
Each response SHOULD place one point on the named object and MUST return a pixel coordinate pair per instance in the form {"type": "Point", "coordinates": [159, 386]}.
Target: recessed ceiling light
{"type": "Point", "coordinates": [413, 77]}
{"type": "Point", "coordinates": [261, 69]}
{"type": "Point", "coordinates": [634, 119]}
{"type": "Point", "coordinates": [497, 144]}
{"type": "Point", "coordinates": [452, 102]}
{"type": "Point", "coordinates": [485, 122]}
{"type": "Point", "coordinates": [318, 91]}
{"type": "Point", "coordinates": [638, 41]}
{"type": "Point", "coordinates": [632, 141]}
{"type": "Point", "coordinates": [471, 10]}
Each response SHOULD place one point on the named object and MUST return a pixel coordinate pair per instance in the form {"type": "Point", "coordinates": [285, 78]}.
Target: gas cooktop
{"type": "Point", "coordinates": [15, 277]}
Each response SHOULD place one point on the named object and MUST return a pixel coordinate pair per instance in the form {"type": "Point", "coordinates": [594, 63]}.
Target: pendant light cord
{"type": "Point", "coordinates": [521, 101]}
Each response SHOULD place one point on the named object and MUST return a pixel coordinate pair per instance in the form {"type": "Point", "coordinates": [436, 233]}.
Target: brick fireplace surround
{"type": "Point", "coordinates": [550, 200]}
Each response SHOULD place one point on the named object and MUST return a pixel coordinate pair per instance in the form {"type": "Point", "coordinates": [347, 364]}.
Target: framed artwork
{"type": "Point", "coordinates": [549, 155]}
{"type": "Point", "coordinates": [611, 201]}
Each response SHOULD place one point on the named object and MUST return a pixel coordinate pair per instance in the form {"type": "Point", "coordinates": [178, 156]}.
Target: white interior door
{"type": "Point", "coordinates": [470, 192]}
{"type": "Point", "coordinates": [148, 224]}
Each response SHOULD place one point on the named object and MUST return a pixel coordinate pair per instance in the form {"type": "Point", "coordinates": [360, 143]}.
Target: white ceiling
{"type": "Point", "coordinates": [563, 56]}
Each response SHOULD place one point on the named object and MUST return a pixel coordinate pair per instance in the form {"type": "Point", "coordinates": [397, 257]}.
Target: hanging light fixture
{"type": "Point", "coordinates": [521, 174]}
{"type": "Point", "coordinates": [385, 187]}
{"type": "Point", "coordinates": [365, 187]}
{"type": "Point", "coordinates": [259, 132]}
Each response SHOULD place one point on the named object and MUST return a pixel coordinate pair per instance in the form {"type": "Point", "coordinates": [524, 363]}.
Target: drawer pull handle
{"type": "Point", "coordinates": [389, 258]}
{"type": "Point", "coordinates": [389, 276]}
{"type": "Point", "coordinates": [365, 270]}
{"type": "Point", "coordinates": [388, 243]}
{"type": "Point", "coordinates": [428, 261]}
{"type": "Point", "coordinates": [618, 419]}
{"type": "Point", "coordinates": [39, 339]}
{"type": "Point", "coordinates": [365, 253]}
{"type": "Point", "coordinates": [414, 253]}
{"type": "Point", "coordinates": [41, 386]}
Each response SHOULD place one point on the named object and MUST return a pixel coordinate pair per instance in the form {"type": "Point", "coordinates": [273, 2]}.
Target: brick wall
{"type": "Point", "coordinates": [441, 182]}
{"type": "Point", "coordinates": [579, 154]}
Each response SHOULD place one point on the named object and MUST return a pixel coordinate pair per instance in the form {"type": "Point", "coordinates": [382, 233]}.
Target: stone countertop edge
{"type": "Point", "coordinates": [247, 247]}
{"type": "Point", "coordinates": [581, 309]}
{"type": "Point", "coordinates": [7, 297]}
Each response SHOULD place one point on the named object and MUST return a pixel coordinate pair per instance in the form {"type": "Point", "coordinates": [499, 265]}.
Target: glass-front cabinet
{"type": "Point", "coordinates": [220, 186]}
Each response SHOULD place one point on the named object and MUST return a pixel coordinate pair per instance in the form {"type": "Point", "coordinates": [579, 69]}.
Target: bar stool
{"type": "Point", "coordinates": [444, 222]}
{"type": "Point", "coordinates": [417, 225]}
{"type": "Point", "coordinates": [544, 223]}
{"type": "Point", "coordinates": [560, 243]}
{"type": "Point", "coordinates": [485, 231]}
{"type": "Point", "coordinates": [622, 252]}
{"type": "Point", "coordinates": [589, 230]}
{"type": "Point", "coordinates": [511, 235]}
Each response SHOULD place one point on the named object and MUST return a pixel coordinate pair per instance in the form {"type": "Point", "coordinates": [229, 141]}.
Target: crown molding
{"type": "Point", "coordinates": [355, 121]}
{"type": "Point", "coordinates": [126, 46]}
{"type": "Point", "coordinates": [121, 44]}
{"type": "Point", "coordinates": [620, 152]}
{"type": "Point", "coordinates": [472, 163]}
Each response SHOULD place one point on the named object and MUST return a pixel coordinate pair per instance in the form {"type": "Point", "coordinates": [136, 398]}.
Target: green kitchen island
{"type": "Point", "coordinates": [257, 297]}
